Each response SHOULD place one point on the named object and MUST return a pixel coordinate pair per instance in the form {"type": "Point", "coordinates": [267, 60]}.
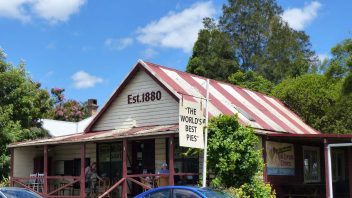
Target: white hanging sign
{"type": "Point", "coordinates": [191, 124]}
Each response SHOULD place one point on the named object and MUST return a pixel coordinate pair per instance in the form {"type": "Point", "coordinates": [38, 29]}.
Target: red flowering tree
{"type": "Point", "coordinates": [67, 110]}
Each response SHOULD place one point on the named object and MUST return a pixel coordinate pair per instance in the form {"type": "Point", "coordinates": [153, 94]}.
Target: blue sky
{"type": "Point", "coordinates": [88, 47]}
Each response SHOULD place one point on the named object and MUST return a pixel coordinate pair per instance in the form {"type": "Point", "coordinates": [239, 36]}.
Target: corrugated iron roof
{"type": "Point", "coordinates": [254, 109]}
{"type": "Point", "coordinates": [102, 135]}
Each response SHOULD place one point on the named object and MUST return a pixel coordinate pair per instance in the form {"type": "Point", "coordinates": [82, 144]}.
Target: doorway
{"type": "Point", "coordinates": [109, 161]}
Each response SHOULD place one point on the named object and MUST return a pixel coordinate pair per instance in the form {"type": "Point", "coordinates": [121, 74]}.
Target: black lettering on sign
{"type": "Point", "coordinates": [149, 96]}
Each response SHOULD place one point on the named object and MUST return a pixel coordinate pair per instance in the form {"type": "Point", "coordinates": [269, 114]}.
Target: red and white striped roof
{"type": "Point", "coordinates": [263, 113]}
{"type": "Point", "coordinates": [254, 109]}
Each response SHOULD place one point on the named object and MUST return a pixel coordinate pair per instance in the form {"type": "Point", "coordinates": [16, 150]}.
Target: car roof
{"type": "Point", "coordinates": [18, 189]}
{"type": "Point", "coordinates": [192, 188]}
{"type": "Point", "coordinates": [13, 188]}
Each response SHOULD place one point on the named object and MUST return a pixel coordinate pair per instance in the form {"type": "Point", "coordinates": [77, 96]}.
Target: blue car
{"type": "Point", "coordinates": [14, 192]}
{"type": "Point", "coordinates": [182, 192]}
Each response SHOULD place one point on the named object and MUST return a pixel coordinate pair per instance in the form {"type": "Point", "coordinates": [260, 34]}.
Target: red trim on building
{"type": "Point", "coordinates": [171, 160]}
{"type": "Point", "coordinates": [349, 158]}
{"type": "Point", "coordinates": [12, 150]}
{"type": "Point", "coordinates": [265, 175]}
{"type": "Point", "coordinates": [124, 167]}
{"type": "Point", "coordinates": [83, 174]}
{"type": "Point", "coordinates": [45, 170]}
{"type": "Point", "coordinates": [310, 135]}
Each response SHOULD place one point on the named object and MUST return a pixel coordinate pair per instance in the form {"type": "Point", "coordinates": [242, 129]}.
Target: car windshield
{"type": "Point", "coordinates": [14, 193]}
{"type": "Point", "coordinates": [210, 193]}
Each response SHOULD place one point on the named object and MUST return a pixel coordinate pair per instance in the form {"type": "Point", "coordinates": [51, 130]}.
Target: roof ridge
{"type": "Point", "coordinates": [219, 81]}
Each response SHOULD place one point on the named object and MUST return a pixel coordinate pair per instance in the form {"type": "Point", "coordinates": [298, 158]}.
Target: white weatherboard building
{"type": "Point", "coordinates": [137, 130]}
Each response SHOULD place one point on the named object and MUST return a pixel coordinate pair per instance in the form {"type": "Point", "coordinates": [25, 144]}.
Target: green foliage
{"type": "Point", "coordinates": [340, 65]}
{"type": "Point", "coordinates": [251, 80]}
{"type": "Point", "coordinates": [286, 54]}
{"type": "Point", "coordinates": [311, 96]}
{"type": "Point", "coordinates": [5, 182]}
{"type": "Point", "coordinates": [67, 110]}
{"type": "Point", "coordinates": [233, 154]}
{"type": "Point", "coordinates": [255, 189]}
{"type": "Point", "coordinates": [212, 54]}
{"type": "Point", "coordinates": [22, 104]}
{"type": "Point", "coordinates": [247, 23]}
{"type": "Point", "coordinates": [338, 117]}
{"type": "Point", "coordinates": [263, 43]}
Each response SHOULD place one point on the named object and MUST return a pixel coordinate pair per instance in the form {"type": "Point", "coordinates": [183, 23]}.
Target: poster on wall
{"type": "Point", "coordinates": [191, 124]}
{"type": "Point", "coordinates": [280, 158]}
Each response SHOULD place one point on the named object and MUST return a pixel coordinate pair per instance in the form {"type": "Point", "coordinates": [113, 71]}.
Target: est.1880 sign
{"type": "Point", "coordinates": [191, 124]}
{"type": "Point", "coordinates": [148, 96]}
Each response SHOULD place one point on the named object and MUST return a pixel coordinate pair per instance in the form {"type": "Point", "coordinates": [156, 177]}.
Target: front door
{"type": "Point", "coordinates": [143, 156]}
{"type": "Point", "coordinates": [143, 160]}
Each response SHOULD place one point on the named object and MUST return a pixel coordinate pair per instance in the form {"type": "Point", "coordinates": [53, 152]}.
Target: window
{"type": "Point", "coordinates": [180, 193]}
{"type": "Point", "coordinates": [311, 164]}
{"type": "Point", "coordinates": [338, 165]}
{"type": "Point", "coordinates": [159, 194]}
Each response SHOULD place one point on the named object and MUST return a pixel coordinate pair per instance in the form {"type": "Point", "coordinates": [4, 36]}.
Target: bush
{"type": "Point", "coordinates": [233, 155]}
{"type": "Point", "coordinates": [255, 189]}
{"type": "Point", "coordinates": [235, 159]}
{"type": "Point", "coordinates": [5, 182]}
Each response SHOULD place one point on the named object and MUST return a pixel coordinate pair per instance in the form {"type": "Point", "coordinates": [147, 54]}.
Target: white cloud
{"type": "Point", "coordinates": [15, 9]}
{"type": "Point", "coordinates": [118, 44]}
{"type": "Point", "coordinates": [57, 10]}
{"type": "Point", "coordinates": [149, 53]}
{"type": "Point", "coordinates": [299, 18]}
{"type": "Point", "coordinates": [82, 79]}
{"type": "Point", "coordinates": [177, 29]}
{"type": "Point", "coordinates": [50, 10]}
{"type": "Point", "coordinates": [323, 57]}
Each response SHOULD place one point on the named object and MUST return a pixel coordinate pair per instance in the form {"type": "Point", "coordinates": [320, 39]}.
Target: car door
{"type": "Point", "coordinates": [184, 193]}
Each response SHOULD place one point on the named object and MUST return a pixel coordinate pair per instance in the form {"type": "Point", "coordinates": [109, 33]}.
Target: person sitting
{"type": "Point", "coordinates": [163, 169]}
{"type": "Point", "coordinates": [162, 181]}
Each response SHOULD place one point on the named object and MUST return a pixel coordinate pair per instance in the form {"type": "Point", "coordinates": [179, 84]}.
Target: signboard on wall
{"type": "Point", "coordinates": [280, 158]}
{"type": "Point", "coordinates": [191, 124]}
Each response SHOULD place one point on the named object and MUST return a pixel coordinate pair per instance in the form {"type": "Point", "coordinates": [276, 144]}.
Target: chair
{"type": "Point", "coordinates": [32, 182]}
{"type": "Point", "coordinates": [40, 181]}
{"type": "Point", "coordinates": [147, 181]}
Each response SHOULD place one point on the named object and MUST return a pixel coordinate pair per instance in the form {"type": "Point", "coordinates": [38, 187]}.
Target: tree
{"type": "Point", "coordinates": [262, 42]}
{"type": "Point", "coordinates": [338, 117]}
{"type": "Point", "coordinates": [67, 110]}
{"type": "Point", "coordinates": [247, 24]}
{"type": "Point", "coordinates": [233, 153]}
{"type": "Point", "coordinates": [212, 54]}
{"type": "Point", "coordinates": [286, 54]}
{"type": "Point", "coordinates": [310, 96]}
{"type": "Point", "coordinates": [235, 158]}
{"type": "Point", "coordinates": [22, 104]}
{"type": "Point", "coordinates": [251, 80]}
{"type": "Point", "coordinates": [340, 65]}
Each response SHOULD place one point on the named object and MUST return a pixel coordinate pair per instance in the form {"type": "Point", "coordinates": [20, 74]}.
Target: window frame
{"type": "Point", "coordinates": [317, 150]}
